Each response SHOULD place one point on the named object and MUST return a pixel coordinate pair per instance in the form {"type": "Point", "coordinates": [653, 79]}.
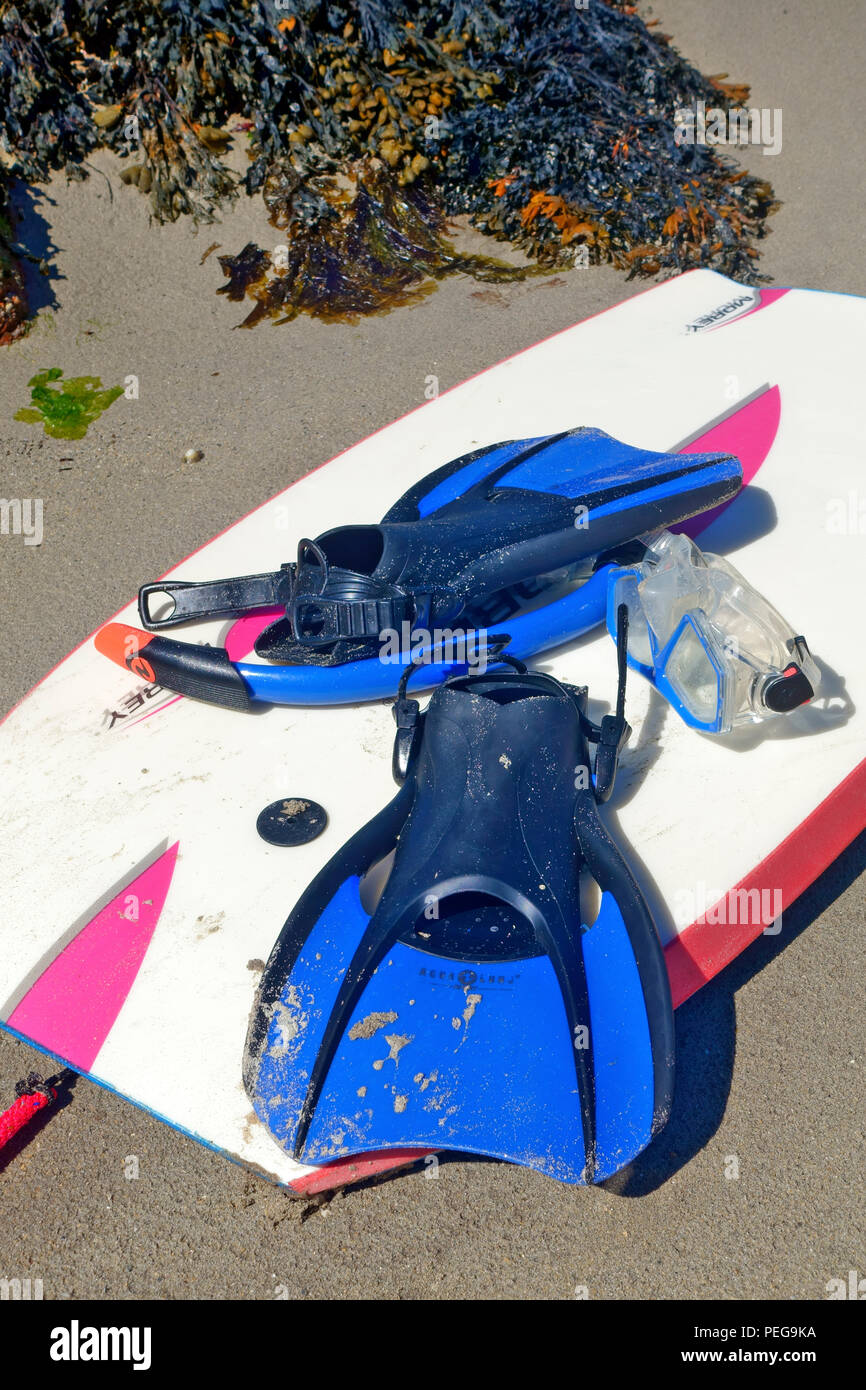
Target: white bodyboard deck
{"type": "Point", "coordinates": [139, 901]}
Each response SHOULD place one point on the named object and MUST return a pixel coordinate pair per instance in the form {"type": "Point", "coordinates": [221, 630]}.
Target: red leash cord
{"type": "Point", "coordinates": [33, 1095]}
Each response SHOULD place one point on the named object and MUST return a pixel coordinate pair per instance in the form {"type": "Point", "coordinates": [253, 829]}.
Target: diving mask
{"type": "Point", "coordinates": [710, 643]}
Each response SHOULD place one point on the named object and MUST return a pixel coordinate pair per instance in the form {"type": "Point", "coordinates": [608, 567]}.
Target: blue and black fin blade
{"type": "Point", "coordinates": [472, 1008]}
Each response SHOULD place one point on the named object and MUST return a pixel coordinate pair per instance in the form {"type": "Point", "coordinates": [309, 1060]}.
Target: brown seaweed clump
{"type": "Point", "coordinates": [355, 244]}
{"type": "Point", "coordinates": [555, 125]}
{"type": "Point", "coordinates": [13, 292]}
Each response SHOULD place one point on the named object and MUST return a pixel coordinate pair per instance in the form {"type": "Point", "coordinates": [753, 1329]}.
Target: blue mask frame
{"type": "Point", "coordinates": [656, 673]}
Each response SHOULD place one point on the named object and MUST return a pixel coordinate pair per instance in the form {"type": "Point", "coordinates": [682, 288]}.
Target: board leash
{"type": "Point", "coordinates": [33, 1095]}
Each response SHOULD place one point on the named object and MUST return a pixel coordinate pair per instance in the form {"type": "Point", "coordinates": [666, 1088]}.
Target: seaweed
{"type": "Point", "coordinates": [357, 245]}
{"type": "Point", "coordinates": [45, 119]}
{"type": "Point", "coordinates": [69, 408]}
{"type": "Point", "coordinates": [13, 293]}
{"type": "Point", "coordinates": [245, 270]}
{"type": "Point", "coordinates": [547, 124]}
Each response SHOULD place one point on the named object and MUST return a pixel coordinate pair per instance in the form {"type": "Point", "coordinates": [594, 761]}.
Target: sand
{"type": "Point", "coordinates": [770, 1054]}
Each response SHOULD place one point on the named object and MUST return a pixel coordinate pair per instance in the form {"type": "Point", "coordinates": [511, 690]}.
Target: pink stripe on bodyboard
{"type": "Point", "coordinates": [242, 635]}
{"type": "Point", "coordinates": [72, 1007]}
{"type": "Point", "coordinates": [749, 433]}
{"type": "Point", "coordinates": [766, 297]}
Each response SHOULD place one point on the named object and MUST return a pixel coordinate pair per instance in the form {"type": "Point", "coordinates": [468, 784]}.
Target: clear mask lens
{"type": "Point", "coordinates": [693, 675]}
{"type": "Point", "coordinates": [709, 641]}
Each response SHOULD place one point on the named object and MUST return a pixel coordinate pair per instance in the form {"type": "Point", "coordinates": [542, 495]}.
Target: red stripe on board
{"type": "Point", "coordinates": [704, 948]}
{"type": "Point", "coordinates": [356, 1169]}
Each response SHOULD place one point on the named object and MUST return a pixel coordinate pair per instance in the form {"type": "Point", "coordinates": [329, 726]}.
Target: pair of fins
{"type": "Point", "coordinates": [512, 533]}
{"type": "Point", "coordinates": [479, 1005]}
{"type": "Point", "coordinates": [477, 1001]}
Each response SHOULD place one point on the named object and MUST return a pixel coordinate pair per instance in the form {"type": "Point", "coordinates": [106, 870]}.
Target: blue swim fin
{"type": "Point", "coordinates": [472, 545]}
{"type": "Point", "coordinates": [474, 1007]}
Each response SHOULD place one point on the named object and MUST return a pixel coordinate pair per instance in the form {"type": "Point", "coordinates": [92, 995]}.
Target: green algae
{"type": "Point", "coordinates": [66, 408]}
